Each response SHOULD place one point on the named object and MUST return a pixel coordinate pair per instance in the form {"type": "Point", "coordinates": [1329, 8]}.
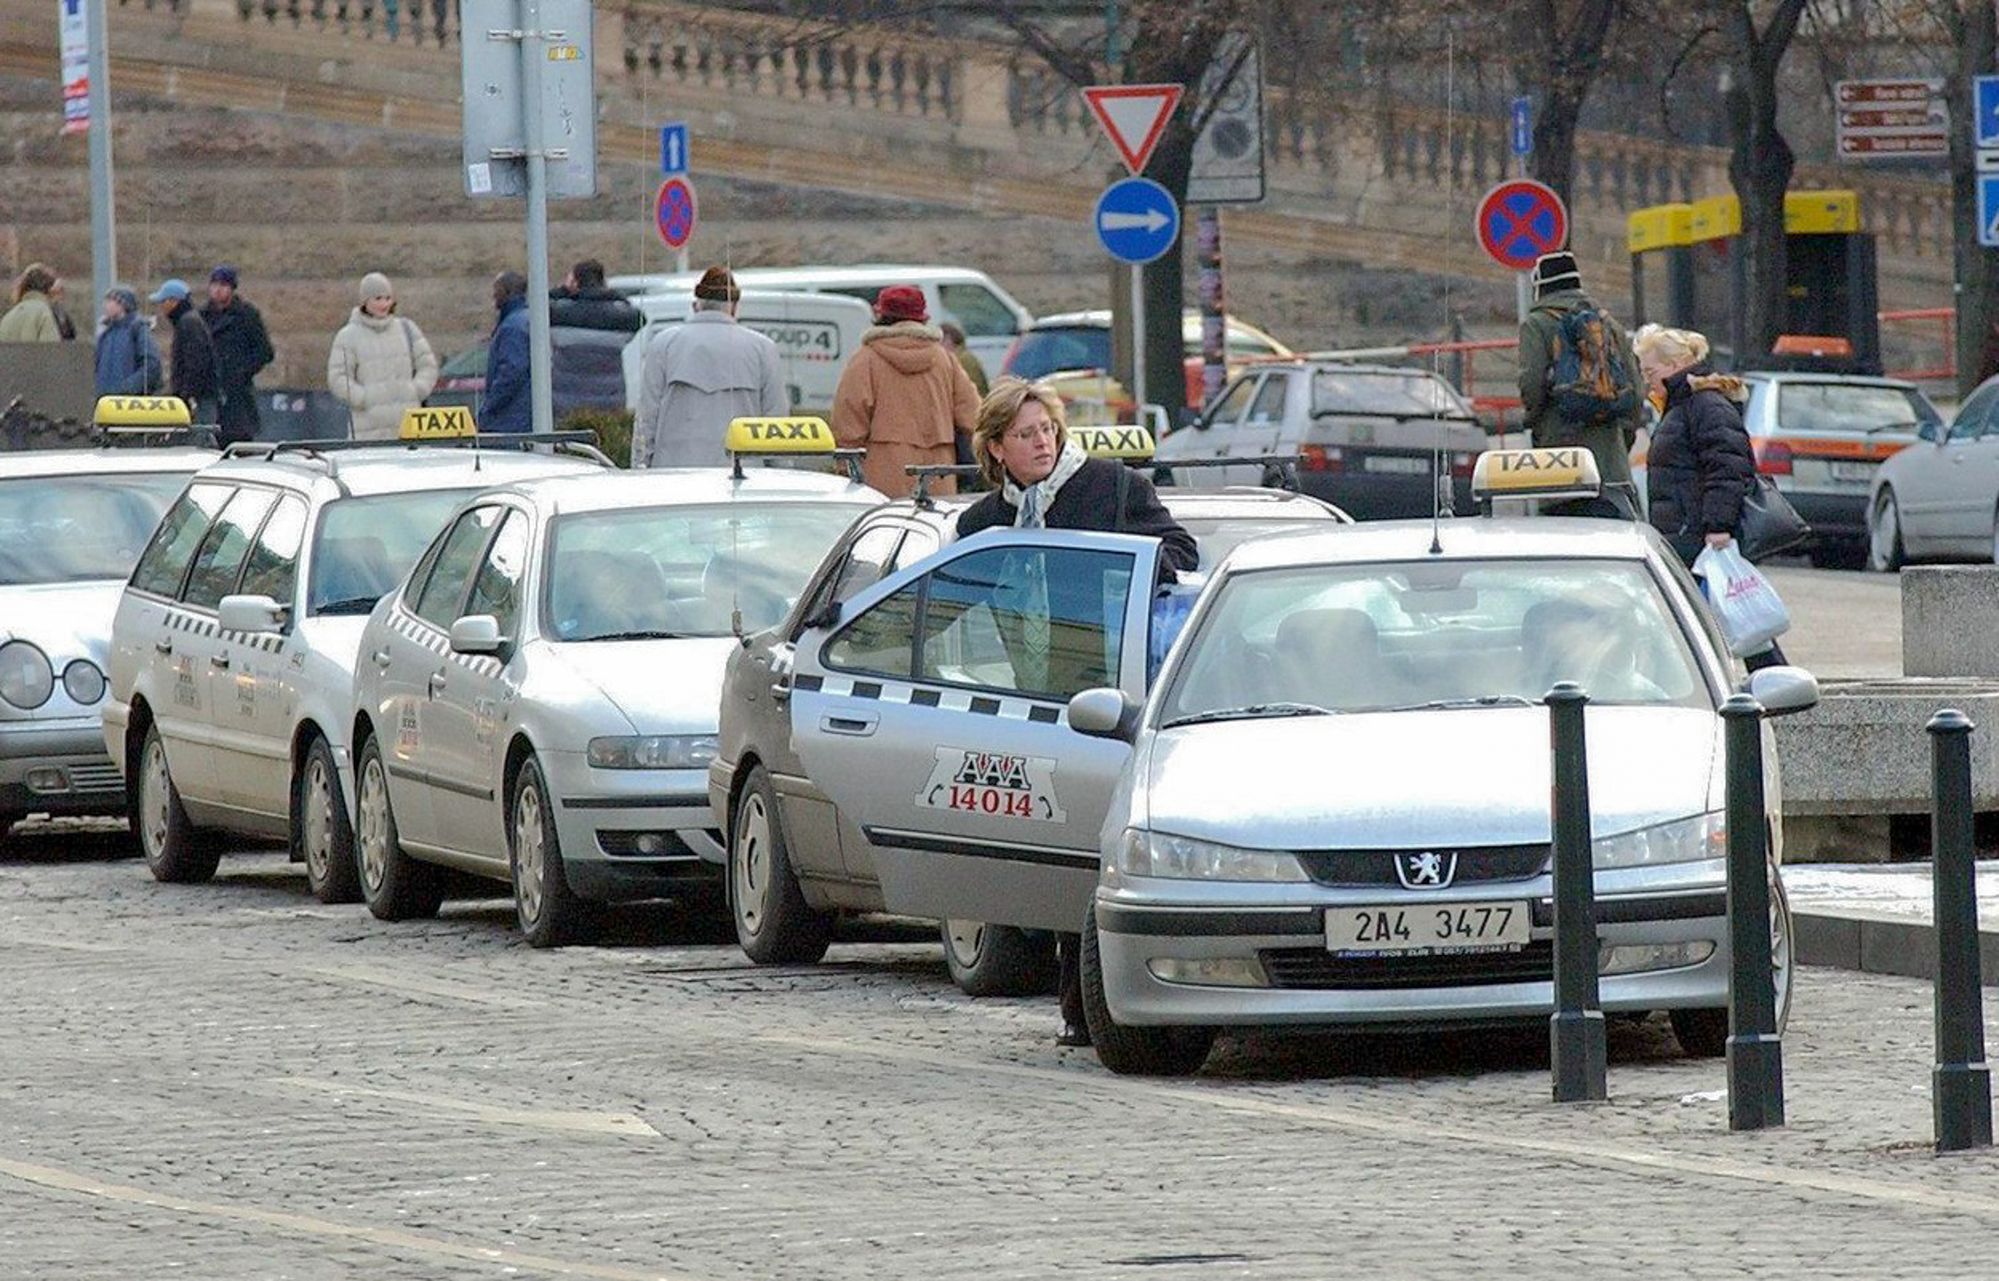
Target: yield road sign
{"type": "Point", "coordinates": [673, 149]}
{"type": "Point", "coordinates": [1988, 210]}
{"type": "Point", "coordinates": [1137, 220]}
{"type": "Point", "coordinates": [673, 212]}
{"type": "Point", "coordinates": [1520, 220]}
{"type": "Point", "coordinates": [1985, 110]}
{"type": "Point", "coordinates": [1134, 117]}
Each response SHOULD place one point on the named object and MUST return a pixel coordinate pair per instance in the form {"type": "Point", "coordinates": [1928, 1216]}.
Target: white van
{"type": "Point", "coordinates": [815, 334]}
{"type": "Point", "coordinates": [992, 318]}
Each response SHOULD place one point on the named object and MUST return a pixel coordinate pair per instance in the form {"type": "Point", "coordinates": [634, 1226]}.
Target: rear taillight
{"type": "Point", "coordinates": [1321, 458]}
{"type": "Point", "coordinates": [1773, 457]}
{"type": "Point", "coordinates": [1012, 350]}
{"type": "Point", "coordinates": [1462, 464]}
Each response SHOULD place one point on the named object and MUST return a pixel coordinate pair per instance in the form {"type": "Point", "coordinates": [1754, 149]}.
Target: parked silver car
{"type": "Point", "coordinates": [1939, 497]}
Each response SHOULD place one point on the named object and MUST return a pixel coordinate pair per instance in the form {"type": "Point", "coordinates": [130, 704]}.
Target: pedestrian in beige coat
{"type": "Point", "coordinates": [31, 318]}
{"type": "Point", "coordinates": [903, 397]}
{"type": "Point", "coordinates": [381, 364]}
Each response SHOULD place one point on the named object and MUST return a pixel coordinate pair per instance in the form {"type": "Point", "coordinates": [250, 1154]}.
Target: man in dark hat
{"type": "Point", "coordinates": [242, 348]}
{"type": "Point", "coordinates": [699, 375]}
{"type": "Point", "coordinates": [1580, 385]}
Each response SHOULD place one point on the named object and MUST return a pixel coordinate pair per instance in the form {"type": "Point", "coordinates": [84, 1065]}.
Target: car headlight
{"type": "Point", "coordinates": [26, 679]}
{"type": "Point", "coordinates": [1146, 853]}
{"type": "Point", "coordinates": [1686, 840]}
{"type": "Point", "coordinates": [653, 751]}
{"type": "Point", "coordinates": [83, 682]}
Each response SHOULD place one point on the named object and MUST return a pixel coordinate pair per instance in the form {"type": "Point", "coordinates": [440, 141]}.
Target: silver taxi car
{"type": "Point", "coordinates": [796, 783]}
{"type": "Point", "coordinates": [233, 647]}
{"type": "Point", "coordinates": [536, 703]}
{"type": "Point", "coordinates": [1336, 809]}
{"type": "Point", "coordinates": [72, 522]}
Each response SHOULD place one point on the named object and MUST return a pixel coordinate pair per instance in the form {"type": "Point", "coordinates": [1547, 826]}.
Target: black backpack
{"type": "Point", "coordinates": [1588, 384]}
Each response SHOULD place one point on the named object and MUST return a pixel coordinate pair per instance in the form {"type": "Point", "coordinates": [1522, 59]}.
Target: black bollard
{"type": "Point", "coordinates": [1755, 1051]}
{"type": "Point", "coordinates": [1576, 1045]}
{"type": "Point", "coordinates": [1961, 1087]}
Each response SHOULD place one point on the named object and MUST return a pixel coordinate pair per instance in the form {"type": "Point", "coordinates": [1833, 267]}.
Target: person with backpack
{"type": "Point", "coordinates": [380, 363]}
{"type": "Point", "coordinates": [1580, 385]}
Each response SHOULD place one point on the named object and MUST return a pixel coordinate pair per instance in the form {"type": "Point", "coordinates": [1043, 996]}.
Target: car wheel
{"type": "Point", "coordinates": [1885, 553]}
{"type": "Point", "coordinates": [176, 851]}
{"type": "Point", "coordinates": [549, 912]}
{"type": "Point", "coordinates": [1135, 1051]}
{"type": "Point", "coordinates": [322, 837]}
{"type": "Point", "coordinates": [998, 960]}
{"type": "Point", "coordinates": [1703, 1034]}
{"type": "Point", "coordinates": [774, 923]}
{"type": "Point", "coordinates": [395, 886]}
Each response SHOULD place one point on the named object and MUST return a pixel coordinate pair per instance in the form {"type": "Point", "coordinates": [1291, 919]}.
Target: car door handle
{"type": "Point", "coordinates": [381, 657]}
{"type": "Point", "coordinates": [165, 645]}
{"type": "Point", "coordinates": [218, 660]}
{"type": "Point", "coordinates": [437, 682]}
{"type": "Point", "coordinates": [856, 726]}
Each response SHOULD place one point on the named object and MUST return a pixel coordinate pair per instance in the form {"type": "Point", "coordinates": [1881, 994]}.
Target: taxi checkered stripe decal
{"type": "Point", "coordinates": [195, 625]}
{"type": "Point", "coordinates": [428, 637]}
{"type": "Point", "coordinates": [949, 700]}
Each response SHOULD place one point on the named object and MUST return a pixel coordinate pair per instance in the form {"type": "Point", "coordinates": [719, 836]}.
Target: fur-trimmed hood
{"type": "Point", "coordinates": [909, 346]}
{"type": "Point", "coordinates": [1727, 384]}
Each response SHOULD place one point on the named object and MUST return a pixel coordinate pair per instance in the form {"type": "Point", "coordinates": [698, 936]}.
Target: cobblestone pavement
{"type": "Point", "coordinates": [231, 1081]}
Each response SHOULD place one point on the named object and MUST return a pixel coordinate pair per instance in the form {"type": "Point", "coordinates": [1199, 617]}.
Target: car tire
{"type": "Point", "coordinates": [549, 912]}
{"type": "Point", "coordinates": [998, 960]}
{"type": "Point", "coordinates": [1885, 550]}
{"type": "Point", "coordinates": [176, 851]}
{"type": "Point", "coordinates": [774, 923]}
{"type": "Point", "coordinates": [395, 886]}
{"type": "Point", "coordinates": [1703, 1034]}
{"type": "Point", "coordinates": [322, 835]}
{"type": "Point", "coordinates": [1135, 1051]}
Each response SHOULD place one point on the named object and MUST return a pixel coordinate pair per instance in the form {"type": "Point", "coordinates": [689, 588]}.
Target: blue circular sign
{"type": "Point", "coordinates": [673, 212]}
{"type": "Point", "coordinates": [1137, 220]}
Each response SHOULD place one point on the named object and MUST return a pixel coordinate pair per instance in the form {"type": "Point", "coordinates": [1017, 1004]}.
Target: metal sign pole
{"type": "Point", "coordinates": [1138, 339]}
{"type": "Point", "coordinates": [534, 44]}
{"type": "Point", "coordinates": [103, 232]}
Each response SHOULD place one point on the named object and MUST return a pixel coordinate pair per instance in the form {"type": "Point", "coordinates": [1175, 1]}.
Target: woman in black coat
{"type": "Point", "coordinates": [1041, 479]}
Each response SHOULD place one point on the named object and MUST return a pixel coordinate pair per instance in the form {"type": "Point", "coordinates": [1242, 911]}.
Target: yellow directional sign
{"type": "Point", "coordinates": [140, 411]}
{"type": "Point", "coordinates": [1128, 444]}
{"type": "Point", "coordinates": [779, 436]}
{"type": "Point", "coordinates": [450, 422]}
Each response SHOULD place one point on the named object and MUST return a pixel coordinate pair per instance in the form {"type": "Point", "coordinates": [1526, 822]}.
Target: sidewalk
{"type": "Point", "coordinates": [1877, 917]}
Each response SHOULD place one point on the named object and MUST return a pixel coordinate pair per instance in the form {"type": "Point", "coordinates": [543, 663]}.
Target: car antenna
{"type": "Point", "coordinates": [1440, 477]}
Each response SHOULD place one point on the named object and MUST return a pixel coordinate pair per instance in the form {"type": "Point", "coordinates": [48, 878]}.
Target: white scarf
{"type": "Point", "coordinates": [1031, 504]}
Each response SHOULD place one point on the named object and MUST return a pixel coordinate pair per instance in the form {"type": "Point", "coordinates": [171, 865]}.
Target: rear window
{"type": "Point", "coordinates": [1416, 395]}
{"type": "Point", "coordinates": [1852, 407]}
{"type": "Point", "coordinates": [1041, 352]}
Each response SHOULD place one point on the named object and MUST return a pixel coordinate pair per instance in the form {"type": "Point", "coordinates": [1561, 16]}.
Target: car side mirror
{"type": "Point", "coordinates": [258, 615]}
{"type": "Point", "coordinates": [476, 634]}
{"type": "Point", "coordinates": [1784, 690]}
{"type": "Point", "coordinates": [1104, 713]}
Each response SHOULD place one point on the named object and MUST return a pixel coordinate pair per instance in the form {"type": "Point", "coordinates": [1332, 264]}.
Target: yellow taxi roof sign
{"type": "Point", "coordinates": [445, 422]}
{"type": "Point", "coordinates": [778, 436]}
{"type": "Point", "coordinates": [1126, 443]}
{"type": "Point", "coordinates": [1568, 472]}
{"type": "Point", "coordinates": [148, 412]}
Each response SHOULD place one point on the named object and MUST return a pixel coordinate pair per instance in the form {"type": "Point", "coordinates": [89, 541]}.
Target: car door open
{"type": "Point", "coordinates": [933, 715]}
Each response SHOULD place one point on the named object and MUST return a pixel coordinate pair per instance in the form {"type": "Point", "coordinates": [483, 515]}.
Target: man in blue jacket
{"type": "Point", "coordinates": [128, 360]}
{"type": "Point", "coordinates": [507, 405]}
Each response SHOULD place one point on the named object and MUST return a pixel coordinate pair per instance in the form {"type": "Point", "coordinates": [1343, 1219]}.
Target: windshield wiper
{"type": "Point", "coordinates": [1254, 711]}
{"type": "Point", "coordinates": [634, 635]}
{"type": "Point", "coordinates": [352, 605]}
{"type": "Point", "coordinates": [1483, 700]}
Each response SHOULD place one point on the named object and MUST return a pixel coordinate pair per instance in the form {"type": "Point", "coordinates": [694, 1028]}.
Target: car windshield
{"type": "Point", "coordinates": [659, 572]}
{"type": "Point", "coordinates": [1041, 352]}
{"type": "Point", "coordinates": [74, 529]}
{"type": "Point", "coordinates": [1362, 638]}
{"type": "Point", "coordinates": [1339, 391]}
{"type": "Point", "coordinates": [366, 545]}
{"type": "Point", "coordinates": [1856, 407]}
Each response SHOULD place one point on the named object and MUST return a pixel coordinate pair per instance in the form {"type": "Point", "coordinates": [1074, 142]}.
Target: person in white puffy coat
{"type": "Point", "coordinates": [381, 364]}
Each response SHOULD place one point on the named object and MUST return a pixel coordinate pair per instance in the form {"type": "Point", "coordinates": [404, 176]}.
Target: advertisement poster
{"type": "Point", "coordinates": [75, 66]}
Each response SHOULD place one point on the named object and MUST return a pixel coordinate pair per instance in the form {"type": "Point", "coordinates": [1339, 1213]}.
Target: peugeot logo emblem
{"type": "Point", "coordinates": [1426, 869]}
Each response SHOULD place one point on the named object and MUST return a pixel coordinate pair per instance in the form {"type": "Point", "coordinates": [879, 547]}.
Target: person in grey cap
{"type": "Point", "coordinates": [1580, 384]}
{"type": "Point", "coordinates": [699, 375]}
{"type": "Point", "coordinates": [191, 363]}
{"type": "Point", "coordinates": [381, 364]}
{"type": "Point", "coordinates": [128, 360]}
{"type": "Point", "coordinates": [242, 348]}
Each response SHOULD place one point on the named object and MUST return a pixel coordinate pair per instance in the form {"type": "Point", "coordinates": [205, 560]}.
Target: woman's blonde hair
{"type": "Point", "coordinates": [997, 412]}
{"type": "Point", "coordinates": [1669, 348]}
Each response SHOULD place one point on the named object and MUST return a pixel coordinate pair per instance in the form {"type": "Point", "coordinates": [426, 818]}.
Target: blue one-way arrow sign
{"type": "Point", "coordinates": [1988, 210]}
{"type": "Point", "coordinates": [1137, 220]}
{"type": "Point", "coordinates": [673, 149]}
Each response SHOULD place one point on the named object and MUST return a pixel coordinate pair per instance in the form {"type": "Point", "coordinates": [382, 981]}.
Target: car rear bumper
{"type": "Point", "coordinates": [58, 767]}
{"type": "Point", "coordinates": [1305, 984]}
{"type": "Point", "coordinates": [1837, 516]}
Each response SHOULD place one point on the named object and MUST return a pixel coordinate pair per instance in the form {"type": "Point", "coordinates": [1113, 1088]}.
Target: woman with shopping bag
{"type": "Point", "coordinates": [1699, 473]}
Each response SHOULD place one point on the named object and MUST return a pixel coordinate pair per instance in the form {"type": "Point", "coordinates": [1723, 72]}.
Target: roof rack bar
{"type": "Point", "coordinates": [924, 473]}
{"type": "Point", "coordinates": [1285, 465]}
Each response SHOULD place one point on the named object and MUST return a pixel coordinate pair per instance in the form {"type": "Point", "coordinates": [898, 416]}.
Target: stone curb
{"type": "Point", "coordinates": [1880, 943]}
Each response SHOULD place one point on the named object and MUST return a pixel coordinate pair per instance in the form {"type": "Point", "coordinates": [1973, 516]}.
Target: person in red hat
{"type": "Point", "coordinates": [903, 397]}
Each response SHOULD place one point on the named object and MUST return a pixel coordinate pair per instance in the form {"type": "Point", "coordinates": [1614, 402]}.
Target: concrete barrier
{"type": "Point", "coordinates": [1950, 621]}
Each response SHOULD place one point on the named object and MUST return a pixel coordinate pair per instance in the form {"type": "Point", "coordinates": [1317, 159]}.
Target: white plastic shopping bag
{"type": "Point", "coordinates": [1751, 613]}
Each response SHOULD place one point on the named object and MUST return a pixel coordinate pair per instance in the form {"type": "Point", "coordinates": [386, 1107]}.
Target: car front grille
{"type": "Point", "coordinates": [1316, 968]}
{"type": "Point", "coordinates": [1476, 864]}
{"type": "Point", "coordinates": [103, 777]}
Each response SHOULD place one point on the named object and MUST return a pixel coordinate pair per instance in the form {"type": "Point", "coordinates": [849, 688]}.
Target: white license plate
{"type": "Point", "coordinates": [1862, 473]}
{"type": "Point", "coordinates": [1396, 465]}
{"type": "Point", "coordinates": [1427, 929]}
